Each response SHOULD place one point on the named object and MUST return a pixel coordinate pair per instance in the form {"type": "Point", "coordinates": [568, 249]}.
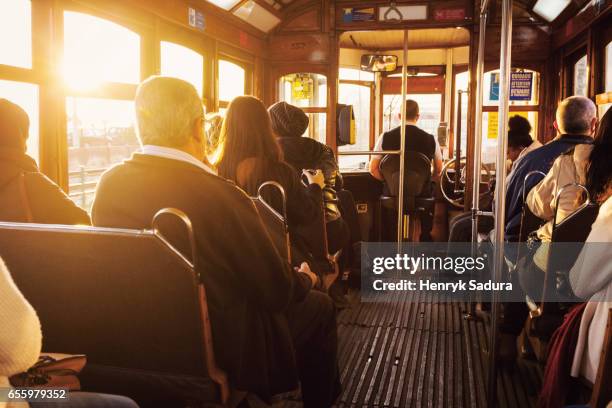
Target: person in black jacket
{"type": "Point", "coordinates": [26, 194]}
{"type": "Point", "coordinates": [268, 326]}
{"type": "Point", "coordinates": [289, 124]}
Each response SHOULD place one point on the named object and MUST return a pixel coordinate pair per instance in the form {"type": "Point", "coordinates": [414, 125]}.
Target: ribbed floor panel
{"type": "Point", "coordinates": [418, 352]}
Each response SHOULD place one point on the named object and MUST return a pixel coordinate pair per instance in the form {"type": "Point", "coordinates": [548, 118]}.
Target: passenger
{"type": "Point", "coordinates": [416, 140]}
{"type": "Point", "coordinates": [570, 167]}
{"type": "Point", "coordinates": [576, 120]}
{"type": "Point", "coordinates": [251, 156]}
{"type": "Point", "coordinates": [591, 278]}
{"type": "Point", "coordinates": [303, 153]}
{"type": "Point", "coordinates": [519, 140]}
{"type": "Point", "coordinates": [20, 346]}
{"type": "Point", "coordinates": [262, 312]}
{"type": "Point", "coordinates": [27, 195]}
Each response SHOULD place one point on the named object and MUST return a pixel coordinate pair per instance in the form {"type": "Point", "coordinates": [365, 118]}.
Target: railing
{"type": "Point", "coordinates": [86, 185]}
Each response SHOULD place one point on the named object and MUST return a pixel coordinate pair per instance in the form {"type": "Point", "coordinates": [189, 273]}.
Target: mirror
{"type": "Point", "coordinates": [378, 63]}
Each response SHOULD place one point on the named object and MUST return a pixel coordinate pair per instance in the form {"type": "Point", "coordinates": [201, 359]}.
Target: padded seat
{"type": "Point", "coordinates": [418, 200]}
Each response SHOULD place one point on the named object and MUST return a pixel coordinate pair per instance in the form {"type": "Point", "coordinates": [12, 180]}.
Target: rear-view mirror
{"type": "Point", "coordinates": [378, 63]}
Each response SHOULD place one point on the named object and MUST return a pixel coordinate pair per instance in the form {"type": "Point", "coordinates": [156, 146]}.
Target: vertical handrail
{"type": "Point", "coordinates": [400, 199]}
{"type": "Point", "coordinates": [458, 135]}
{"type": "Point", "coordinates": [478, 125]}
{"type": "Point", "coordinates": [500, 189]}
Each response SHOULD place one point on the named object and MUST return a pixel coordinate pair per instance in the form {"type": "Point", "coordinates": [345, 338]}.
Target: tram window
{"type": "Point", "coordinates": [354, 74]}
{"type": "Point", "coordinates": [231, 80]}
{"type": "Point", "coordinates": [100, 134]}
{"type": "Point", "coordinates": [608, 68]}
{"type": "Point", "coordinates": [359, 97]}
{"type": "Point", "coordinates": [184, 63]}
{"type": "Point", "coordinates": [430, 106]}
{"type": "Point", "coordinates": [309, 92]}
{"type": "Point", "coordinates": [16, 33]}
{"type": "Point", "coordinates": [580, 77]}
{"type": "Point", "coordinates": [97, 51]}
{"type": "Point", "coordinates": [26, 96]}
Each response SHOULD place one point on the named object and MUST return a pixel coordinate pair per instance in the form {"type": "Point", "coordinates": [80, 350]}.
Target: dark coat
{"type": "Point", "coordinates": [249, 286]}
{"type": "Point", "coordinates": [304, 203]}
{"type": "Point", "coordinates": [27, 195]}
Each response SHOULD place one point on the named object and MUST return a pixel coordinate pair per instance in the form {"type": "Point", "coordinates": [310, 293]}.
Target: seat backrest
{"type": "Point", "coordinates": [122, 297]}
{"type": "Point", "coordinates": [577, 226]}
{"type": "Point", "coordinates": [275, 220]}
{"type": "Point", "coordinates": [417, 172]}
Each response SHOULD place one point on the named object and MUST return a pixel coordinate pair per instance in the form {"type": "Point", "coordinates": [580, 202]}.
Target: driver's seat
{"type": "Point", "coordinates": [418, 197]}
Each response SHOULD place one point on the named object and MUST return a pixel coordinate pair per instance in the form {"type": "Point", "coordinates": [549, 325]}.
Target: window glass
{"type": "Point", "coordinates": [581, 77]}
{"type": "Point", "coordinates": [16, 33]}
{"type": "Point", "coordinates": [429, 109]}
{"type": "Point", "coordinates": [97, 50]}
{"type": "Point", "coordinates": [355, 74]}
{"type": "Point", "coordinates": [231, 80]}
{"type": "Point", "coordinates": [359, 97]}
{"type": "Point", "coordinates": [608, 70]}
{"type": "Point", "coordinates": [26, 96]}
{"type": "Point", "coordinates": [184, 63]}
{"type": "Point", "coordinates": [490, 132]}
{"type": "Point", "coordinates": [521, 92]}
{"type": "Point", "coordinates": [304, 90]}
{"type": "Point", "coordinates": [100, 133]}
{"type": "Point", "coordinates": [317, 123]}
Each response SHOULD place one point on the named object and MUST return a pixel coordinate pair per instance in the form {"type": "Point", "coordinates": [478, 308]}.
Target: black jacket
{"type": "Point", "coordinates": [303, 153]}
{"type": "Point", "coordinates": [249, 285]}
{"type": "Point", "coordinates": [28, 195]}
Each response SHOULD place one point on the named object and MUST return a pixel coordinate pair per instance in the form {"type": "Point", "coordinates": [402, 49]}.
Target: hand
{"type": "Point", "coordinates": [315, 178]}
{"type": "Point", "coordinates": [305, 269]}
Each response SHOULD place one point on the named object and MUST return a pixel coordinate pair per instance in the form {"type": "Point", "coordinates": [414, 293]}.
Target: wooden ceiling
{"type": "Point", "coordinates": [394, 39]}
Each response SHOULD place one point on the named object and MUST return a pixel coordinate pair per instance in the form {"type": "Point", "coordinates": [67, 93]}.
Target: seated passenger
{"type": "Point", "coordinates": [303, 153]}
{"type": "Point", "coordinates": [591, 279]}
{"type": "Point", "coordinates": [576, 119]}
{"type": "Point", "coordinates": [27, 195]}
{"type": "Point", "coordinates": [519, 140]}
{"type": "Point", "coordinates": [251, 156]}
{"type": "Point", "coordinates": [262, 311]}
{"type": "Point", "coordinates": [416, 140]}
{"type": "Point", "coordinates": [20, 347]}
{"type": "Point", "coordinates": [570, 167]}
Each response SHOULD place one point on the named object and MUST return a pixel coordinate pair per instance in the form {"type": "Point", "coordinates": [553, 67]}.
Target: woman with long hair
{"type": "Point", "coordinates": [599, 169]}
{"type": "Point", "coordinates": [249, 156]}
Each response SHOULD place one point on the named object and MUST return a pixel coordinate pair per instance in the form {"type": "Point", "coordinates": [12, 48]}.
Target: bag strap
{"type": "Point", "coordinates": [24, 198]}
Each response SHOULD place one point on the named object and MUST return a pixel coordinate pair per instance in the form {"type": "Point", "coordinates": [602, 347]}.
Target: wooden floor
{"type": "Point", "coordinates": [421, 352]}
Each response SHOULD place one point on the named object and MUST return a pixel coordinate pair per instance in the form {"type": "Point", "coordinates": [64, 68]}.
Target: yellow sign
{"type": "Point", "coordinates": [493, 123]}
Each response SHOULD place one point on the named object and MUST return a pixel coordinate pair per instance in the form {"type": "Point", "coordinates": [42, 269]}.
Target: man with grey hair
{"type": "Point", "coordinates": [259, 306]}
{"type": "Point", "coordinates": [576, 121]}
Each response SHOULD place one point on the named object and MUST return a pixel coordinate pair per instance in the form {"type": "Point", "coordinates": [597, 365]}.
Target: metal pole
{"type": "Point", "coordinates": [400, 199]}
{"type": "Point", "coordinates": [458, 141]}
{"type": "Point", "coordinates": [478, 125]}
{"type": "Point", "coordinates": [500, 188]}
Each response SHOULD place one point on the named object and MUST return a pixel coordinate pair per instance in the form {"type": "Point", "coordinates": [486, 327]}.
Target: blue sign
{"type": "Point", "coordinates": [196, 19]}
{"type": "Point", "coordinates": [521, 84]}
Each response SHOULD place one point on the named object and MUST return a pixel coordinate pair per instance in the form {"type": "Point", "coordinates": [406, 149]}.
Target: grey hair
{"type": "Point", "coordinates": [166, 109]}
{"type": "Point", "coordinates": [575, 115]}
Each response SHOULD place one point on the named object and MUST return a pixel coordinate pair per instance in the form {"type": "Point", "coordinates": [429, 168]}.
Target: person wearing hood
{"type": "Point", "coordinates": [27, 195]}
{"type": "Point", "coordinates": [303, 153]}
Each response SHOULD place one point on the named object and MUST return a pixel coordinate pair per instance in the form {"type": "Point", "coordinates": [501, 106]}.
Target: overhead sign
{"type": "Point", "coordinates": [196, 19]}
{"type": "Point", "coordinates": [358, 14]}
{"type": "Point", "coordinates": [449, 14]}
{"type": "Point", "coordinates": [521, 84]}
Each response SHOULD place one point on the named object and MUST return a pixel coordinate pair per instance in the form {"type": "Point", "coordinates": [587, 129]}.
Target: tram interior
{"type": "Point", "coordinates": [76, 68]}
